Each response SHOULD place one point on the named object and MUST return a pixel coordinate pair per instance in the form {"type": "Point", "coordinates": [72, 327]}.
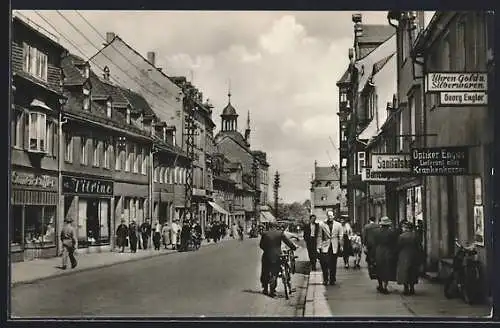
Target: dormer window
{"type": "Point", "coordinates": [108, 108]}
{"type": "Point", "coordinates": [86, 71]}
{"type": "Point", "coordinates": [35, 62]}
{"type": "Point", "coordinates": [174, 141]}
{"type": "Point", "coordinates": [86, 98]}
{"type": "Point", "coordinates": [164, 134]}
{"type": "Point", "coordinates": [128, 115]}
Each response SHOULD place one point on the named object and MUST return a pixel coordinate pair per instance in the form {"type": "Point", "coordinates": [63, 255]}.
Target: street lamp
{"type": "Point", "coordinates": [61, 122]}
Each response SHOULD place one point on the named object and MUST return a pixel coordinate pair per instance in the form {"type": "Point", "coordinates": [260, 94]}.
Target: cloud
{"type": "Point", "coordinates": [283, 67]}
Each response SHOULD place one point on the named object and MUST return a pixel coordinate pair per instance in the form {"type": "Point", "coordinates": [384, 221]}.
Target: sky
{"type": "Point", "coordinates": [282, 66]}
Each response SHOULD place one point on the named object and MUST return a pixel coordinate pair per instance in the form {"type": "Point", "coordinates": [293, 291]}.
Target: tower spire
{"type": "Point", "coordinates": [248, 120]}
{"type": "Point", "coordinates": [229, 91]}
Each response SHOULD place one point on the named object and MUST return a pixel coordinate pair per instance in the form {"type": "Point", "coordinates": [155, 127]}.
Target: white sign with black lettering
{"type": "Point", "coordinates": [453, 82]}
{"type": "Point", "coordinates": [464, 98]}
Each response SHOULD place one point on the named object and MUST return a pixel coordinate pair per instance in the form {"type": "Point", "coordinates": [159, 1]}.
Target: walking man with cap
{"type": "Point", "coordinates": [68, 242]}
{"type": "Point", "coordinates": [310, 227]}
{"type": "Point", "coordinates": [328, 241]}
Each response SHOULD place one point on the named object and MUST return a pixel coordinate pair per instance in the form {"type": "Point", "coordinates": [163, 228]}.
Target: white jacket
{"type": "Point", "coordinates": [325, 237]}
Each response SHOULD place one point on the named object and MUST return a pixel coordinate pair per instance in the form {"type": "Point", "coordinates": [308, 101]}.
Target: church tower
{"type": "Point", "coordinates": [229, 116]}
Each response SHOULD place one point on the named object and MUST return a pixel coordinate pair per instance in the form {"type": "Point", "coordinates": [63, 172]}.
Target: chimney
{"type": "Point", "coordinates": [109, 37]}
{"type": "Point", "coordinates": [151, 57]}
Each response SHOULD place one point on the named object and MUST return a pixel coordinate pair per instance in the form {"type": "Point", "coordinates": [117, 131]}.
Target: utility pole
{"type": "Point", "coordinates": [276, 190]}
{"type": "Point", "coordinates": [190, 133]}
{"type": "Point", "coordinates": [256, 199]}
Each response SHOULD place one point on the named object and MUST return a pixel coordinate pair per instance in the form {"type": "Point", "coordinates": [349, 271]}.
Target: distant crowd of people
{"type": "Point", "coordinates": [392, 254]}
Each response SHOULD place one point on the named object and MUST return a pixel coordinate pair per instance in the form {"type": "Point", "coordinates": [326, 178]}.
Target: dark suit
{"type": "Point", "coordinates": [310, 239]}
{"type": "Point", "coordinates": [270, 243]}
{"type": "Point", "coordinates": [369, 232]}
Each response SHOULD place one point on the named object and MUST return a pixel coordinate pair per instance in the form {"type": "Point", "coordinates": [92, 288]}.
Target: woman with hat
{"type": "Point", "coordinates": [408, 258]}
{"type": "Point", "coordinates": [385, 243]}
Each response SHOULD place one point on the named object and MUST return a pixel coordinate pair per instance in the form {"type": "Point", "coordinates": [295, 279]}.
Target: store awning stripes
{"type": "Point", "coordinates": [218, 208]}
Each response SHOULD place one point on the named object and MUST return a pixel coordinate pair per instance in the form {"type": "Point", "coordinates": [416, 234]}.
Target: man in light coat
{"type": "Point", "coordinates": [328, 239]}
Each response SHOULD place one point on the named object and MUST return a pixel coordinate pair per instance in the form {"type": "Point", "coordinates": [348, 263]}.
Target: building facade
{"type": "Point", "coordinates": [326, 193]}
{"type": "Point", "coordinates": [36, 101]}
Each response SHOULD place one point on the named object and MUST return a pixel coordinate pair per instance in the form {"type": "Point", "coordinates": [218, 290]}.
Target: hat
{"type": "Point", "coordinates": [68, 220]}
{"type": "Point", "coordinates": [385, 221]}
{"type": "Point", "coordinates": [329, 213]}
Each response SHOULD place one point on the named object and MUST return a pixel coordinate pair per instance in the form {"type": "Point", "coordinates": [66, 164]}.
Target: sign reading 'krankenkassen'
{"type": "Point", "coordinates": [390, 163]}
{"type": "Point", "coordinates": [453, 82]}
{"type": "Point", "coordinates": [440, 161]}
{"type": "Point", "coordinates": [76, 185]}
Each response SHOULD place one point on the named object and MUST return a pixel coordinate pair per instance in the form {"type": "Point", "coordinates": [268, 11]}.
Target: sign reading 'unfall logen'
{"type": "Point", "coordinates": [33, 180]}
{"type": "Point", "coordinates": [440, 161]}
{"type": "Point", "coordinates": [453, 82]}
{"type": "Point", "coordinates": [76, 185]}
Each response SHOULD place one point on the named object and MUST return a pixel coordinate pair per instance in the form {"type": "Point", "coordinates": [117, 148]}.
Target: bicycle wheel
{"type": "Point", "coordinates": [471, 287]}
{"type": "Point", "coordinates": [450, 287]}
{"type": "Point", "coordinates": [285, 285]}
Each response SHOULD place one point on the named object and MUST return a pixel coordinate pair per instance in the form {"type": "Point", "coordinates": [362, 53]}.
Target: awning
{"type": "Point", "coordinates": [266, 216]}
{"type": "Point", "coordinates": [218, 208]}
{"type": "Point", "coordinates": [39, 103]}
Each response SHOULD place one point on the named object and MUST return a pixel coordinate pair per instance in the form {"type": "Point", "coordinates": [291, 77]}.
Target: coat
{"type": "Point", "coordinates": [385, 253]}
{"type": "Point", "coordinates": [68, 236]}
{"type": "Point", "coordinates": [346, 241]}
{"type": "Point", "coordinates": [165, 231]}
{"type": "Point", "coordinates": [310, 230]}
{"type": "Point", "coordinates": [270, 243]}
{"type": "Point", "coordinates": [325, 237]}
{"type": "Point", "coordinates": [409, 251]}
{"type": "Point", "coordinates": [121, 235]}
{"type": "Point", "coordinates": [369, 232]}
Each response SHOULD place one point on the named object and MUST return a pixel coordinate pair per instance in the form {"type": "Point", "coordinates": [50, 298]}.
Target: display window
{"type": "Point", "coordinates": [39, 226]}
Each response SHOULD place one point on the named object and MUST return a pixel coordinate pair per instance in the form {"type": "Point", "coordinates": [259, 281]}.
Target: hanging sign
{"type": "Point", "coordinates": [368, 175]}
{"type": "Point", "coordinates": [34, 180]}
{"type": "Point", "coordinates": [390, 163]}
{"type": "Point", "coordinates": [463, 98]}
{"type": "Point", "coordinates": [453, 82]}
{"type": "Point", "coordinates": [86, 186]}
{"type": "Point", "coordinates": [440, 161]}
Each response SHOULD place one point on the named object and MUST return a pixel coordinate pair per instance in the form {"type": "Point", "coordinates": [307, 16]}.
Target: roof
{"type": "Point", "coordinates": [326, 173]}
{"type": "Point", "coordinates": [381, 63]}
{"type": "Point", "coordinates": [232, 165]}
{"type": "Point", "coordinates": [373, 33]}
{"type": "Point", "coordinates": [229, 110]}
{"type": "Point", "coordinates": [103, 88]}
{"type": "Point", "coordinates": [346, 78]}
{"type": "Point", "coordinates": [137, 101]}
{"type": "Point", "coordinates": [49, 37]}
{"type": "Point", "coordinates": [233, 135]}
{"type": "Point", "coordinates": [72, 75]}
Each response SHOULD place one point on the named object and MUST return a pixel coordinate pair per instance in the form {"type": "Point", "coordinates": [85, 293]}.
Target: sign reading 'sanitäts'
{"type": "Point", "coordinates": [390, 163]}
{"type": "Point", "coordinates": [456, 82]}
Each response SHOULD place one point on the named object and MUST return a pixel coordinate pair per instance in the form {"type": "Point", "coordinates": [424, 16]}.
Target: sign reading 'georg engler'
{"type": "Point", "coordinates": [440, 161]}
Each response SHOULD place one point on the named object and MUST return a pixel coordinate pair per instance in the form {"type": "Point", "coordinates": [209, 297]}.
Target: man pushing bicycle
{"type": "Point", "coordinates": [270, 243]}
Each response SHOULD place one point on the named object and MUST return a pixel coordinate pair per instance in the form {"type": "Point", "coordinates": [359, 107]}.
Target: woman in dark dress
{"type": "Point", "coordinates": [132, 236]}
{"type": "Point", "coordinates": [385, 255]}
{"type": "Point", "coordinates": [121, 236]}
{"type": "Point", "coordinates": [408, 259]}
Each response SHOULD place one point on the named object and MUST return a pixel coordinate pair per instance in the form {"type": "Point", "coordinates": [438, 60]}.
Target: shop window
{"type": "Point", "coordinates": [39, 226]}
{"type": "Point", "coordinates": [162, 174]}
{"type": "Point", "coordinates": [107, 152]}
{"type": "Point", "coordinates": [128, 160]}
{"type": "Point", "coordinates": [68, 147]}
{"type": "Point", "coordinates": [37, 132]}
{"type": "Point", "coordinates": [95, 155]}
{"type": "Point", "coordinates": [155, 174]}
{"type": "Point", "coordinates": [16, 225]}
{"type": "Point", "coordinates": [83, 151]}
{"type": "Point", "coordinates": [35, 62]}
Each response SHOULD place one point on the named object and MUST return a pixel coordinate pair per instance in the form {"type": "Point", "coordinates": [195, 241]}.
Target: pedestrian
{"type": "Point", "coordinates": [408, 259]}
{"type": "Point", "coordinates": [176, 228]}
{"type": "Point", "coordinates": [185, 235]}
{"type": "Point", "coordinates": [310, 227]}
{"type": "Point", "coordinates": [68, 241]}
{"type": "Point", "coordinates": [157, 235]}
{"type": "Point", "coordinates": [385, 257]}
{"type": "Point", "coordinates": [347, 251]}
{"type": "Point", "coordinates": [420, 231]}
{"type": "Point", "coordinates": [166, 231]}
{"type": "Point", "coordinates": [235, 230]}
{"type": "Point", "coordinates": [208, 231]}
{"type": "Point", "coordinates": [216, 233]}
{"type": "Point", "coordinates": [121, 236]}
{"type": "Point", "coordinates": [132, 236]}
{"type": "Point", "coordinates": [328, 243]}
{"type": "Point", "coordinates": [145, 233]}
{"type": "Point", "coordinates": [368, 239]}
{"type": "Point", "coordinates": [270, 243]}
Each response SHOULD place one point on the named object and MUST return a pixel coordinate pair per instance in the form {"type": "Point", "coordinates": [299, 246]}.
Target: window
{"type": "Point", "coordinates": [174, 140]}
{"type": "Point", "coordinates": [128, 115]}
{"type": "Point", "coordinates": [361, 161]}
{"type": "Point", "coordinates": [411, 102]}
{"type": "Point", "coordinates": [50, 137]}
{"type": "Point", "coordinates": [95, 157]}
{"type": "Point", "coordinates": [68, 147]}
{"type": "Point", "coordinates": [108, 108]}
{"type": "Point", "coordinates": [16, 225]}
{"type": "Point", "coordinates": [107, 152]}
{"type": "Point", "coordinates": [162, 174]}
{"type": "Point", "coordinates": [83, 151]}
{"type": "Point", "coordinates": [35, 62]}
{"type": "Point", "coordinates": [86, 98]}
{"type": "Point", "coordinates": [128, 159]}
{"type": "Point", "coordinates": [17, 135]}
{"type": "Point", "coordinates": [343, 96]}
{"type": "Point", "coordinates": [155, 174]}
{"type": "Point", "coordinates": [144, 162]}
{"type": "Point", "coordinates": [37, 132]}
{"type": "Point", "coordinates": [176, 169]}
{"type": "Point", "coordinates": [118, 157]}
{"type": "Point", "coordinates": [167, 175]}
{"type": "Point", "coordinates": [39, 226]}
{"type": "Point", "coordinates": [401, 138]}
{"type": "Point", "coordinates": [136, 159]}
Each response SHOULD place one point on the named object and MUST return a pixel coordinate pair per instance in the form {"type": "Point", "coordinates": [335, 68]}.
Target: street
{"type": "Point", "coordinates": [220, 280]}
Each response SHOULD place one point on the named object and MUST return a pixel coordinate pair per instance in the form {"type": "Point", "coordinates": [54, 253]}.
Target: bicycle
{"type": "Point", "coordinates": [285, 273]}
{"type": "Point", "coordinates": [465, 278]}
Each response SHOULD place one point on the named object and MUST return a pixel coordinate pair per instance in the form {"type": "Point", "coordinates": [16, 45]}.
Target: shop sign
{"type": "Point", "coordinates": [390, 163]}
{"type": "Point", "coordinates": [463, 98]}
{"type": "Point", "coordinates": [458, 81]}
{"type": "Point", "coordinates": [438, 161]}
{"type": "Point", "coordinates": [368, 175]}
{"type": "Point", "coordinates": [33, 180]}
{"type": "Point", "coordinates": [76, 185]}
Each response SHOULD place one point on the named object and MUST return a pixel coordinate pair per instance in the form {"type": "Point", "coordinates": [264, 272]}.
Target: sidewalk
{"type": "Point", "coordinates": [355, 295]}
{"type": "Point", "coordinates": [40, 269]}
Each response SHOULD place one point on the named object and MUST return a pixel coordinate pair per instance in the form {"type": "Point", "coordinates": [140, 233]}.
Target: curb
{"type": "Point", "coordinates": [107, 265]}
{"type": "Point", "coordinates": [309, 301]}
